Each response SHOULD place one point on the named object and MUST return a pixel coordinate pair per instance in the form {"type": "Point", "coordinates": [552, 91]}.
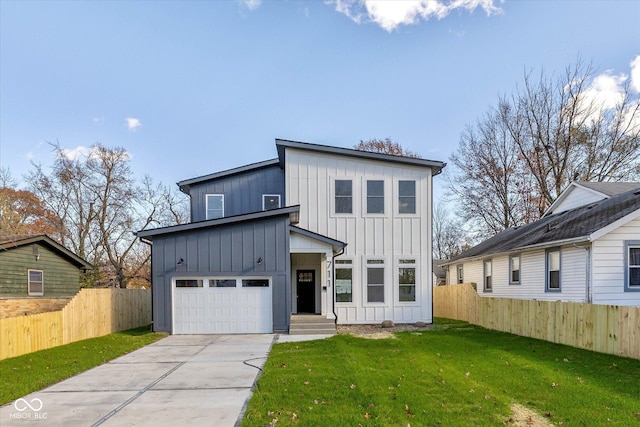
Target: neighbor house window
{"type": "Point", "coordinates": [488, 286]}
{"type": "Point", "coordinates": [460, 273]}
{"type": "Point", "coordinates": [343, 196]}
{"type": "Point", "coordinates": [406, 197]}
{"type": "Point", "coordinates": [375, 280]}
{"type": "Point", "coordinates": [215, 206]}
{"type": "Point", "coordinates": [344, 280]}
{"type": "Point", "coordinates": [36, 282]}
{"type": "Point", "coordinates": [375, 197]}
{"type": "Point", "coordinates": [270, 201]}
{"type": "Point", "coordinates": [553, 270]}
{"type": "Point", "coordinates": [407, 280]}
{"type": "Point", "coordinates": [514, 270]}
{"type": "Point", "coordinates": [632, 265]}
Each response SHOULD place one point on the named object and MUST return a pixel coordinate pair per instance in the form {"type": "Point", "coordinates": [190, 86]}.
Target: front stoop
{"type": "Point", "coordinates": [311, 324]}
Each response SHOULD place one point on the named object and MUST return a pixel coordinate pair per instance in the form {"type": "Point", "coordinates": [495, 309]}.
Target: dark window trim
{"type": "Point", "coordinates": [546, 270]}
{"type": "Point", "coordinates": [271, 195]}
{"type": "Point", "coordinates": [627, 245]}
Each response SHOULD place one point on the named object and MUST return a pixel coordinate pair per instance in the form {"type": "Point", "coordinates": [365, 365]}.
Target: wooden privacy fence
{"type": "Point", "coordinates": [91, 313]}
{"type": "Point", "coordinates": [603, 328]}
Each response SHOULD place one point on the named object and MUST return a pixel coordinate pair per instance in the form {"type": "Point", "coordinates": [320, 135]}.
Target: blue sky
{"type": "Point", "coordinates": [194, 87]}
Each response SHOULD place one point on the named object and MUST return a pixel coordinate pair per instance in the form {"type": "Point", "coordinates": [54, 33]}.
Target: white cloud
{"type": "Point", "coordinates": [251, 4]}
{"type": "Point", "coordinates": [605, 91]}
{"type": "Point", "coordinates": [391, 14]}
{"type": "Point", "coordinates": [80, 152]}
{"type": "Point", "coordinates": [29, 155]}
{"type": "Point", "coordinates": [98, 120]}
{"type": "Point", "coordinates": [133, 123]}
{"type": "Point", "coordinates": [635, 74]}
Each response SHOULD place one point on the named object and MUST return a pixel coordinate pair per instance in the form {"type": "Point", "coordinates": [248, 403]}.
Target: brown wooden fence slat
{"type": "Point", "coordinates": [91, 313]}
{"type": "Point", "coordinates": [602, 328]}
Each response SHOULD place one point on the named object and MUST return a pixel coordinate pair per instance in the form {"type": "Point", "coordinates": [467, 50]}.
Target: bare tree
{"type": "Point", "coordinates": [518, 158]}
{"type": "Point", "coordinates": [385, 146]}
{"type": "Point", "coordinates": [6, 179]}
{"type": "Point", "coordinates": [449, 236]}
{"type": "Point", "coordinates": [101, 204]}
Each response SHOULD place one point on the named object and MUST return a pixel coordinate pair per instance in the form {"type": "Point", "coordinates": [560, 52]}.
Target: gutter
{"type": "Point", "coordinates": [563, 242]}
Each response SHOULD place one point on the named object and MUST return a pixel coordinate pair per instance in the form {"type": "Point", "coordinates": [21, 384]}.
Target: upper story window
{"type": "Point", "coordinates": [344, 280]}
{"type": "Point", "coordinates": [406, 197]}
{"type": "Point", "coordinates": [36, 282]}
{"type": "Point", "coordinates": [270, 201]}
{"type": "Point", "coordinates": [343, 196]}
{"type": "Point", "coordinates": [553, 269]}
{"type": "Point", "coordinates": [459, 273]}
{"type": "Point", "coordinates": [375, 197]}
{"type": "Point", "coordinates": [488, 275]}
{"type": "Point", "coordinates": [215, 206]}
{"type": "Point", "coordinates": [632, 266]}
{"type": "Point", "coordinates": [514, 270]}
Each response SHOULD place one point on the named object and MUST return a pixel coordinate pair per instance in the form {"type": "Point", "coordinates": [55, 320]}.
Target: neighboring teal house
{"type": "Point", "coordinates": [37, 266]}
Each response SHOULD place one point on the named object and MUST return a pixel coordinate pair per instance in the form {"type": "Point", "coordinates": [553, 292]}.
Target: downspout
{"type": "Point", "coordinates": [150, 243]}
{"type": "Point", "coordinates": [333, 285]}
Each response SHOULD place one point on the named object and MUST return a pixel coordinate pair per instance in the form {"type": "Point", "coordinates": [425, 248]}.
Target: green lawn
{"type": "Point", "coordinates": [31, 372]}
{"type": "Point", "coordinates": [457, 374]}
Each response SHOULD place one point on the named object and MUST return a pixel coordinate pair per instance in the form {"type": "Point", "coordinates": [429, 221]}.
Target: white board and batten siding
{"type": "Point", "coordinates": [573, 274]}
{"type": "Point", "coordinates": [608, 266]}
{"type": "Point", "coordinates": [390, 237]}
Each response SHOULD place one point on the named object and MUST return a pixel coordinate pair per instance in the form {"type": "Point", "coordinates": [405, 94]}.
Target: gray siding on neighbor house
{"type": "Point", "coordinates": [242, 192]}
{"type": "Point", "coordinates": [225, 250]}
{"type": "Point", "coordinates": [60, 277]}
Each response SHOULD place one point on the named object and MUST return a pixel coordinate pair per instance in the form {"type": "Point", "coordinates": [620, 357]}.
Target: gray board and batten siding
{"type": "Point", "coordinates": [242, 188]}
{"type": "Point", "coordinates": [227, 247]}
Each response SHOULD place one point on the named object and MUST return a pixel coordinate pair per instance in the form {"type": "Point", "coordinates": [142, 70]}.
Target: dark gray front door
{"type": "Point", "coordinates": [306, 287]}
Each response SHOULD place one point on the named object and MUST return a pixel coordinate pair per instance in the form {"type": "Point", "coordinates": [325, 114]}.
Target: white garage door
{"type": "Point", "coordinates": [222, 305]}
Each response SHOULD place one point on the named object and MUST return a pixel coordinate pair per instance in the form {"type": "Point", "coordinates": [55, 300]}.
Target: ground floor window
{"type": "Point", "coordinates": [344, 280]}
{"type": "Point", "coordinates": [488, 275]}
{"type": "Point", "coordinates": [407, 280]}
{"type": "Point", "coordinates": [632, 265]}
{"type": "Point", "coordinates": [36, 282]}
{"type": "Point", "coordinates": [553, 269]}
{"type": "Point", "coordinates": [375, 280]}
{"type": "Point", "coordinates": [459, 273]}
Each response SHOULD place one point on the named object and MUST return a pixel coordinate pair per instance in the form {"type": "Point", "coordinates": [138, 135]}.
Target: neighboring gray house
{"type": "Point", "coordinates": [337, 232]}
{"type": "Point", "coordinates": [586, 248]}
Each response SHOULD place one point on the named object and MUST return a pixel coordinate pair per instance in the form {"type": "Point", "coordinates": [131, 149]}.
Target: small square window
{"type": "Point", "coordinates": [270, 201]}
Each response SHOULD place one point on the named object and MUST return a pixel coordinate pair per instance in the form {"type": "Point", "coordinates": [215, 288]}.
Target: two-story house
{"type": "Point", "coordinates": [337, 232]}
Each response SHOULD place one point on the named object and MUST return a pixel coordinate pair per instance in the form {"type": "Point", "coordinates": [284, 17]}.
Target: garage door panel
{"type": "Point", "coordinates": [204, 310]}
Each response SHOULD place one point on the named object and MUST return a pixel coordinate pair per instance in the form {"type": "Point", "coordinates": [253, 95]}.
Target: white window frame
{"type": "Point", "coordinates": [35, 294]}
{"type": "Point", "coordinates": [459, 273]}
{"type": "Point", "coordinates": [415, 197]}
{"type": "Point", "coordinates": [207, 205]}
{"type": "Point", "coordinates": [511, 270]}
{"type": "Point", "coordinates": [401, 262]}
{"type": "Point", "coordinates": [547, 270]}
{"type": "Point", "coordinates": [369, 263]}
{"type": "Point", "coordinates": [333, 196]}
{"type": "Point", "coordinates": [628, 245]}
{"type": "Point", "coordinates": [487, 275]}
{"type": "Point", "coordinates": [270, 195]}
{"type": "Point", "coordinates": [365, 204]}
{"type": "Point", "coordinates": [343, 264]}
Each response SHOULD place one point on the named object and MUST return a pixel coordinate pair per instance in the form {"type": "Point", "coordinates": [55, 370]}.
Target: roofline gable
{"type": "Point", "coordinates": [48, 241]}
{"type": "Point", "coordinates": [616, 224]}
{"type": "Point", "coordinates": [566, 193]}
{"type": "Point", "coordinates": [282, 144]}
{"type": "Point", "coordinates": [252, 216]}
{"type": "Point", "coordinates": [185, 185]}
{"type": "Point", "coordinates": [319, 237]}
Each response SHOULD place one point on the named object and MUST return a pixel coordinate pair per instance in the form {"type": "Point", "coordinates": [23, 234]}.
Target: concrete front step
{"type": "Point", "coordinates": [311, 324]}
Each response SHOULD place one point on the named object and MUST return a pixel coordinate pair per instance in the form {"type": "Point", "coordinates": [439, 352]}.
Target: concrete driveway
{"type": "Point", "coordinates": [195, 380]}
